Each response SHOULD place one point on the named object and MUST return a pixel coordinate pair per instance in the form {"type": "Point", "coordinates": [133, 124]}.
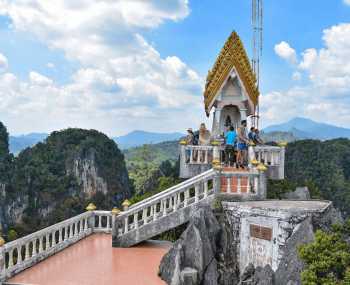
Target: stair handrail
{"type": "Point", "coordinates": [170, 191]}
{"type": "Point", "coordinates": [180, 185]}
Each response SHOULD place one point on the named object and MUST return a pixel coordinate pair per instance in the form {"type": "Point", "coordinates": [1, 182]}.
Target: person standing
{"type": "Point", "coordinates": [189, 141]}
{"type": "Point", "coordinates": [204, 140]}
{"type": "Point", "coordinates": [242, 144]}
{"type": "Point", "coordinates": [230, 139]}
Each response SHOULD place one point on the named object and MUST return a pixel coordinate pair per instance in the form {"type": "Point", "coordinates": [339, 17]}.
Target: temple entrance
{"type": "Point", "coordinates": [230, 116]}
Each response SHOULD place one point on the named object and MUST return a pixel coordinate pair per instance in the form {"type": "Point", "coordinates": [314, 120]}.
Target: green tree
{"type": "Point", "coordinates": [327, 260]}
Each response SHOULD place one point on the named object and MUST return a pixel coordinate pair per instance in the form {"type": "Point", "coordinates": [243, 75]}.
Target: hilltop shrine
{"type": "Point", "coordinates": [260, 228]}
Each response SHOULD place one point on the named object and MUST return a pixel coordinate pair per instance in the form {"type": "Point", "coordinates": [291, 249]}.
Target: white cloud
{"type": "Point", "coordinates": [309, 58]}
{"type": "Point", "coordinates": [50, 65]}
{"type": "Point", "coordinates": [123, 83]}
{"type": "Point", "coordinates": [347, 2]}
{"type": "Point", "coordinates": [39, 79]}
{"type": "Point", "coordinates": [285, 51]}
{"type": "Point", "coordinates": [3, 62]}
{"type": "Point", "coordinates": [326, 96]}
{"type": "Point", "coordinates": [296, 76]}
{"type": "Point", "coordinates": [329, 68]}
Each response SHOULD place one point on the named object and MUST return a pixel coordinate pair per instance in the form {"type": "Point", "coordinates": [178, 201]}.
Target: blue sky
{"type": "Point", "coordinates": [122, 65]}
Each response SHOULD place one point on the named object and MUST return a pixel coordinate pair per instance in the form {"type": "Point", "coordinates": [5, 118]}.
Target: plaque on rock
{"type": "Point", "coordinates": [261, 232]}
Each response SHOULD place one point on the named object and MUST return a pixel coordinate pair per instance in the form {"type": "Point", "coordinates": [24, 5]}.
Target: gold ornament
{"type": "Point", "coordinates": [115, 211]}
{"type": "Point", "coordinates": [232, 55]}
{"type": "Point", "coordinates": [91, 207]}
{"type": "Point", "coordinates": [261, 167]}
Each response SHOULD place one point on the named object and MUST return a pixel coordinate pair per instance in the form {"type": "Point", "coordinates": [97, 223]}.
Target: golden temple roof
{"type": "Point", "coordinates": [232, 55]}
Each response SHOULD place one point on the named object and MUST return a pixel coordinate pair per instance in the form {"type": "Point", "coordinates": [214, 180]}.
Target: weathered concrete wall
{"type": "Point", "coordinates": [263, 228]}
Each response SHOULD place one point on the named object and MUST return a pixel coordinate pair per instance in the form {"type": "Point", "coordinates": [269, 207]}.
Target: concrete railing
{"type": "Point", "coordinates": [25, 252]}
{"type": "Point", "coordinates": [178, 197]}
{"type": "Point", "coordinates": [198, 154]}
{"type": "Point", "coordinates": [269, 155]}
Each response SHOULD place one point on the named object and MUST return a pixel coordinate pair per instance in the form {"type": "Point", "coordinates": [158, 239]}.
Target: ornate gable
{"type": "Point", "coordinates": [232, 55]}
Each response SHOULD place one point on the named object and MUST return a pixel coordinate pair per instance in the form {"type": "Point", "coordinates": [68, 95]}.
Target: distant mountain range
{"type": "Point", "coordinates": [138, 138]}
{"type": "Point", "coordinates": [18, 143]}
{"type": "Point", "coordinates": [295, 129]}
{"type": "Point", "coordinates": [303, 128]}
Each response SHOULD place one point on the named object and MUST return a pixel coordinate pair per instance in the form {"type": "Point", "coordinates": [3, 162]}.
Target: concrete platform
{"type": "Point", "coordinates": [93, 261]}
{"type": "Point", "coordinates": [285, 205]}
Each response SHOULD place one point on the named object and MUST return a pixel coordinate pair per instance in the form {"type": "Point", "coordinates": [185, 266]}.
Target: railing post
{"type": "Point", "coordinates": [196, 193]}
{"type": "Point", "coordinates": [217, 182]}
{"type": "Point", "coordinates": [2, 261]}
{"type": "Point", "coordinates": [115, 212]}
{"type": "Point", "coordinates": [262, 183]}
{"type": "Point", "coordinates": [91, 220]}
{"type": "Point", "coordinates": [251, 156]}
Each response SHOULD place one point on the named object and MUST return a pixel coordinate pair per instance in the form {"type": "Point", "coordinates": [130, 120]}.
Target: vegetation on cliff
{"type": "Point", "coordinates": [55, 180]}
{"type": "Point", "coordinates": [324, 166]}
{"type": "Point", "coordinates": [327, 258]}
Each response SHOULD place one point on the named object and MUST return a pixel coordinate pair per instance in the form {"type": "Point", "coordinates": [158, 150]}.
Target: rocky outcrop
{"type": "Point", "coordinates": [86, 172]}
{"type": "Point", "coordinates": [200, 255]}
{"type": "Point", "coordinates": [212, 248]}
{"type": "Point", "coordinates": [290, 266]}
{"type": "Point", "coordinates": [258, 276]}
{"type": "Point", "coordinates": [300, 193]}
{"type": "Point", "coordinates": [56, 179]}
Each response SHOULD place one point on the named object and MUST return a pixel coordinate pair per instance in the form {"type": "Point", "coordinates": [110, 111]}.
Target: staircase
{"type": "Point", "coordinates": [174, 207]}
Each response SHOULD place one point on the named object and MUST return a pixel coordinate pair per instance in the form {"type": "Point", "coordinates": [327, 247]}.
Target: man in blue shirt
{"type": "Point", "coordinates": [230, 139]}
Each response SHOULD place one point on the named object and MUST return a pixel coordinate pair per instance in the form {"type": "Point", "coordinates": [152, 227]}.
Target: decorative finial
{"type": "Point", "coordinates": [91, 207]}
{"type": "Point", "coordinates": [261, 167]}
{"type": "Point", "coordinates": [282, 144]}
{"type": "Point", "coordinates": [2, 241]}
{"type": "Point", "coordinates": [115, 211]}
{"type": "Point", "coordinates": [254, 162]}
{"type": "Point", "coordinates": [126, 204]}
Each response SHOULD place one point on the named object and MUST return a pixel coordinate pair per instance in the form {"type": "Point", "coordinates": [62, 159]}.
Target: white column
{"type": "Point", "coordinates": [176, 198]}
{"type": "Point", "coordinates": [154, 212]}
{"type": "Point", "coordinates": [239, 185]}
{"type": "Point", "coordinates": [2, 263]}
{"type": "Point", "coordinates": [34, 248]}
{"type": "Point", "coordinates": [164, 207]}
{"type": "Point", "coordinates": [196, 193]}
{"type": "Point", "coordinates": [228, 186]}
{"type": "Point", "coordinates": [206, 189]}
{"type": "Point", "coordinates": [126, 227]}
{"type": "Point", "coordinates": [108, 222]}
{"type": "Point", "coordinates": [256, 184]}
{"type": "Point", "coordinates": [144, 216]}
{"type": "Point", "coordinates": [136, 222]}
{"type": "Point", "coordinates": [47, 243]}
{"type": "Point", "coordinates": [10, 258]}
{"type": "Point", "coordinates": [19, 255]}
{"type": "Point", "coordinates": [26, 256]}
{"type": "Point", "coordinates": [187, 195]}
{"type": "Point", "coordinates": [41, 244]}
{"type": "Point", "coordinates": [191, 155]}
{"type": "Point", "coordinates": [99, 221]}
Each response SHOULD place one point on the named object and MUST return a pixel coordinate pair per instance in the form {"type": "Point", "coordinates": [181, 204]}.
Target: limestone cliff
{"type": "Point", "coordinates": [213, 249]}
{"type": "Point", "coordinates": [57, 178]}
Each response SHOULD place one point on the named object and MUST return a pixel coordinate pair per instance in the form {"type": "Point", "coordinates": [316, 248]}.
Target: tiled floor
{"type": "Point", "coordinates": [93, 261]}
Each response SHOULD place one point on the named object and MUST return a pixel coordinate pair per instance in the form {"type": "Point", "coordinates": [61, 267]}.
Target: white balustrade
{"type": "Point", "coordinates": [162, 204]}
{"type": "Point", "coordinates": [197, 154]}
{"type": "Point", "coordinates": [241, 183]}
{"type": "Point", "coordinates": [269, 155]}
{"type": "Point", "coordinates": [29, 250]}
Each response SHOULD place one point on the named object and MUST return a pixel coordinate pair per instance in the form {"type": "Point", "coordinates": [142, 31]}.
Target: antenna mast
{"type": "Point", "coordinates": [257, 47]}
